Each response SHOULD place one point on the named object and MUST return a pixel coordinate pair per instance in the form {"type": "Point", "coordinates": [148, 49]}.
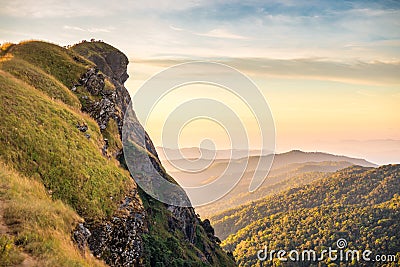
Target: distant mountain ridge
{"type": "Point", "coordinates": [220, 156]}
{"type": "Point", "coordinates": [301, 156]}
{"type": "Point", "coordinates": [290, 169]}
{"type": "Point", "coordinates": [195, 152]}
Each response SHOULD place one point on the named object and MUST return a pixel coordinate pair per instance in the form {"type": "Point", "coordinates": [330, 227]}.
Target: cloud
{"type": "Point", "coordinates": [58, 9]}
{"type": "Point", "coordinates": [74, 28]}
{"type": "Point", "coordinates": [88, 8]}
{"type": "Point", "coordinates": [221, 33]}
{"type": "Point", "coordinates": [356, 72]}
{"type": "Point", "coordinates": [266, 29]}
{"type": "Point", "coordinates": [172, 27]}
{"type": "Point", "coordinates": [291, 29]}
{"type": "Point", "coordinates": [91, 30]}
{"type": "Point", "coordinates": [214, 33]}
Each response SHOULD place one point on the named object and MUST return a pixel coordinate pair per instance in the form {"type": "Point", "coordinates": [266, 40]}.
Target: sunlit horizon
{"type": "Point", "coordinates": [352, 122]}
{"type": "Point", "coordinates": [328, 70]}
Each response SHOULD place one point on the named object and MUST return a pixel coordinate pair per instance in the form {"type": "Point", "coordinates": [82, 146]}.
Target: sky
{"type": "Point", "coordinates": [329, 70]}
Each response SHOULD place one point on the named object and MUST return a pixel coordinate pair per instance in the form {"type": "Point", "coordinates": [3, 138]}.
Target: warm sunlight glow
{"type": "Point", "coordinates": [310, 114]}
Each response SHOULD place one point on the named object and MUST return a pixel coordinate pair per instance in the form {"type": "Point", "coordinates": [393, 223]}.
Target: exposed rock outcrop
{"type": "Point", "coordinates": [102, 110]}
{"type": "Point", "coordinates": [118, 240]}
{"type": "Point", "coordinates": [112, 63]}
{"type": "Point", "coordinates": [184, 219]}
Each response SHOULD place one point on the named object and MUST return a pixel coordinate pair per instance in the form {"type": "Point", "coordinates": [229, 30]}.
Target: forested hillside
{"type": "Point", "coordinates": [358, 204]}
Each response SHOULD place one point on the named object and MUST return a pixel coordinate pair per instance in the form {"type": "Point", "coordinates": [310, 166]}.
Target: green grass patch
{"type": "Point", "coordinates": [39, 138]}
{"type": "Point", "coordinates": [42, 81]}
{"type": "Point", "coordinates": [65, 65]}
{"type": "Point", "coordinates": [89, 49]}
{"type": "Point", "coordinates": [41, 226]}
{"type": "Point", "coordinates": [112, 134]}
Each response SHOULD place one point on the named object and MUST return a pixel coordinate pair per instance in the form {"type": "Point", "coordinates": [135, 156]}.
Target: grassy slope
{"type": "Point", "coordinates": [61, 63]}
{"type": "Point", "coordinates": [39, 138]}
{"type": "Point", "coordinates": [42, 225]}
{"type": "Point", "coordinates": [40, 80]}
{"type": "Point", "coordinates": [90, 48]}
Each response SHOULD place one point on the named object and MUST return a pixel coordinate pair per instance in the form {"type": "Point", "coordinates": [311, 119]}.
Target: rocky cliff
{"type": "Point", "coordinates": [121, 237]}
{"type": "Point", "coordinates": [79, 159]}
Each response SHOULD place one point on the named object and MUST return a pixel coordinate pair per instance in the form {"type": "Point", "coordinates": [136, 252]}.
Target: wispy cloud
{"type": "Point", "coordinates": [356, 72]}
{"type": "Point", "coordinates": [89, 8]}
{"type": "Point", "coordinates": [354, 29]}
{"type": "Point", "coordinates": [74, 28]}
{"type": "Point", "coordinates": [91, 30]}
{"type": "Point", "coordinates": [221, 33]}
{"type": "Point", "coordinates": [214, 33]}
{"type": "Point", "coordinates": [56, 9]}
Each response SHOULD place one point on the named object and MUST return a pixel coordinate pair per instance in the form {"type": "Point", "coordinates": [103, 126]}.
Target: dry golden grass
{"type": "Point", "coordinates": [41, 226]}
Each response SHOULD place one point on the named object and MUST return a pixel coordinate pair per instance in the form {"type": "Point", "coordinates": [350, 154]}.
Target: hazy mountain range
{"type": "Point", "coordinates": [288, 170]}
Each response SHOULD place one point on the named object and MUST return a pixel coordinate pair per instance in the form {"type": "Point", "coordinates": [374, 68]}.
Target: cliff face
{"type": "Point", "coordinates": [117, 240]}
{"type": "Point", "coordinates": [62, 113]}
{"type": "Point", "coordinates": [129, 237]}
{"type": "Point", "coordinates": [113, 64]}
